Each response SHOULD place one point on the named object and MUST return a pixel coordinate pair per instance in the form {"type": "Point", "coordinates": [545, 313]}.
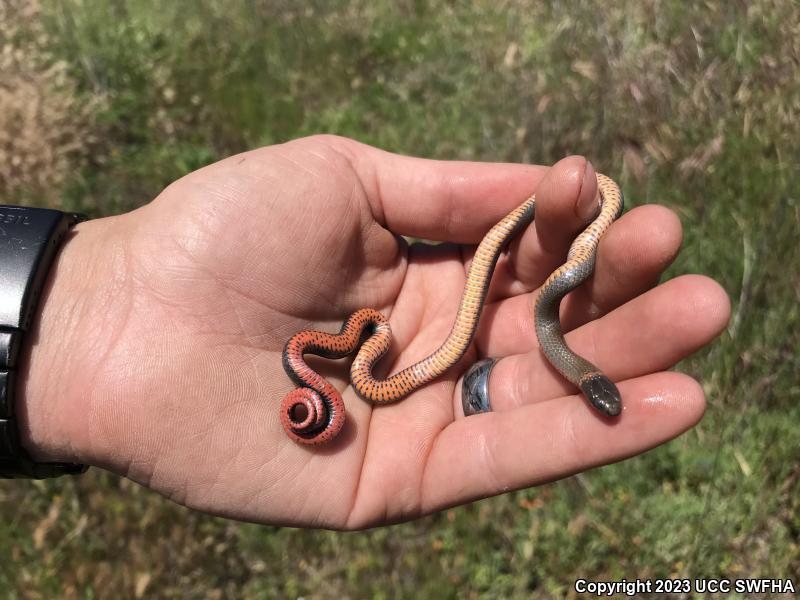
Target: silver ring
{"type": "Point", "coordinates": [475, 388]}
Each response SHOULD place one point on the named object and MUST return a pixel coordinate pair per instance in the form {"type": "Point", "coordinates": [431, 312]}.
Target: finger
{"type": "Point", "coordinates": [437, 200]}
{"type": "Point", "coordinates": [631, 258]}
{"type": "Point", "coordinates": [635, 252]}
{"type": "Point", "coordinates": [648, 334]}
{"type": "Point", "coordinates": [497, 452]}
{"type": "Point", "coordinates": [566, 201]}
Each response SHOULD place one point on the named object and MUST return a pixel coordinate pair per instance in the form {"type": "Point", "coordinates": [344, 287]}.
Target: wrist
{"type": "Point", "coordinates": [55, 362]}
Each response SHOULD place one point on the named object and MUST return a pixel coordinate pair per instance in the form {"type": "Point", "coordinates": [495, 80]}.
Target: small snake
{"type": "Point", "coordinates": [314, 412]}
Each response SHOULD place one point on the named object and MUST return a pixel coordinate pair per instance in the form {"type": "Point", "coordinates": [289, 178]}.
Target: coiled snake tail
{"type": "Point", "coordinates": [314, 413]}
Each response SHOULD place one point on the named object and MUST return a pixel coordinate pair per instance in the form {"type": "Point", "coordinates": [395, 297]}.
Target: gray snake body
{"type": "Point", "coordinates": [314, 412]}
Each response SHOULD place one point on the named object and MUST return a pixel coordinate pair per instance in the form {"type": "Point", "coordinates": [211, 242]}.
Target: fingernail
{"type": "Point", "coordinates": [589, 198]}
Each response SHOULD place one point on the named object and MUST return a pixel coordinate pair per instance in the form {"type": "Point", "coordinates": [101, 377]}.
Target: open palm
{"type": "Point", "coordinates": [199, 291]}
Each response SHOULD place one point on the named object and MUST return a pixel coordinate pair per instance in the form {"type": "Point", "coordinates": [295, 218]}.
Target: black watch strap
{"type": "Point", "coordinates": [29, 241]}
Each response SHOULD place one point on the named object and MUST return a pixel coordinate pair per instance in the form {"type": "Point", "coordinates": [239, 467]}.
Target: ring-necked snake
{"type": "Point", "coordinates": [314, 412]}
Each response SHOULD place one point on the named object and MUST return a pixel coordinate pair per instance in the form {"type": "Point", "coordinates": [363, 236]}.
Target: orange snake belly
{"type": "Point", "coordinates": [314, 413]}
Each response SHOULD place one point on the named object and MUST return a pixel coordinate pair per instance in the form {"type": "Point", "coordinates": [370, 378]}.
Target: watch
{"type": "Point", "coordinates": [29, 241]}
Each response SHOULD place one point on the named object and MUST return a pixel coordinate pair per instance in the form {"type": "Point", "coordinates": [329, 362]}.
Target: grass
{"type": "Point", "coordinates": [695, 106]}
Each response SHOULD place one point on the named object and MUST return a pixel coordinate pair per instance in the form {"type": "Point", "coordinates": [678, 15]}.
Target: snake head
{"type": "Point", "coordinates": [603, 394]}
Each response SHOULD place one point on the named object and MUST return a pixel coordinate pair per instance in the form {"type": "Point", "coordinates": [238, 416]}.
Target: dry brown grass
{"type": "Point", "coordinates": [46, 129]}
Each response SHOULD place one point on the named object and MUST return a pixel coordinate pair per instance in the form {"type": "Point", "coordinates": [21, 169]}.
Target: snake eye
{"type": "Point", "coordinates": [603, 394]}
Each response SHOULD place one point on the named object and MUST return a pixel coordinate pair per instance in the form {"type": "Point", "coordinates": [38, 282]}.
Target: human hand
{"type": "Point", "coordinates": [158, 350]}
